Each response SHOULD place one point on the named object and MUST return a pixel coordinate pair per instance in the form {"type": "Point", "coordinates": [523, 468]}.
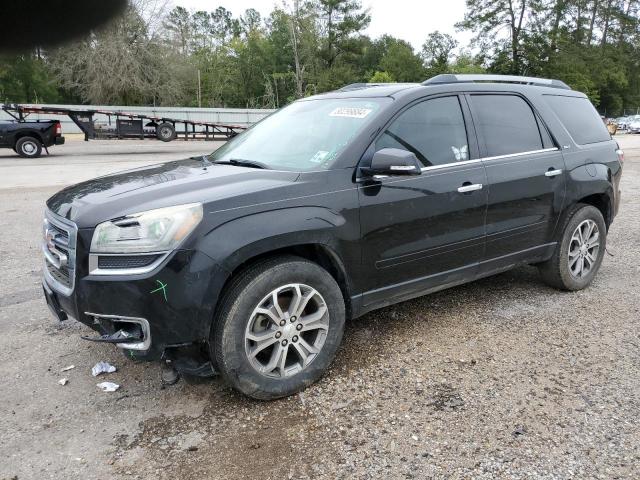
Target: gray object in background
{"type": "Point", "coordinates": [235, 116]}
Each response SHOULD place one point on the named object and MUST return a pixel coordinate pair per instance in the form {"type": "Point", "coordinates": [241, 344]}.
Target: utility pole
{"type": "Point", "coordinates": [199, 91]}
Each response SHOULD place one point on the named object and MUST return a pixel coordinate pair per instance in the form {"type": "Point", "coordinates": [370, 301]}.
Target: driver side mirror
{"type": "Point", "coordinates": [393, 161]}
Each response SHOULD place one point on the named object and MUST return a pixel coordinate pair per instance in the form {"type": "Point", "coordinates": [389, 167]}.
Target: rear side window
{"type": "Point", "coordinates": [433, 130]}
{"type": "Point", "coordinates": [580, 118]}
{"type": "Point", "coordinates": [507, 124]}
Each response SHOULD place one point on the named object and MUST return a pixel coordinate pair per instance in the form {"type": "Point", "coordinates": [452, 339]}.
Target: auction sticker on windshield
{"type": "Point", "coordinates": [350, 112]}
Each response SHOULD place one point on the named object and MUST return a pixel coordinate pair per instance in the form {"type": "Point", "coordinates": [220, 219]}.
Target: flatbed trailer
{"type": "Point", "coordinates": [130, 125]}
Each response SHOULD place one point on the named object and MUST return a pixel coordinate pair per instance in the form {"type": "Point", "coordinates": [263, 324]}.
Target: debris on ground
{"type": "Point", "coordinates": [108, 386]}
{"type": "Point", "coordinates": [66, 369]}
{"type": "Point", "coordinates": [102, 367]}
{"type": "Point", "coordinates": [519, 431]}
{"type": "Point", "coordinates": [63, 381]}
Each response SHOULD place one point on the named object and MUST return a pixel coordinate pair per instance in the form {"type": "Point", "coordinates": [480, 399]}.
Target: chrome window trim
{"type": "Point", "coordinates": [468, 162]}
{"type": "Point", "coordinates": [485, 159]}
{"type": "Point", "coordinates": [452, 164]}
{"type": "Point", "coordinates": [94, 269]}
{"type": "Point", "coordinates": [520, 154]}
{"type": "Point", "coordinates": [143, 322]}
{"type": "Point", "coordinates": [72, 232]}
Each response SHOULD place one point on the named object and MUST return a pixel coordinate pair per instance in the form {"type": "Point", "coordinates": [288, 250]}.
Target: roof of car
{"type": "Point", "coordinates": [451, 83]}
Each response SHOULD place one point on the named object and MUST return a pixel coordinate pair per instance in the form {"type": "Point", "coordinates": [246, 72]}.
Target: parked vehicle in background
{"type": "Point", "coordinates": [633, 125]}
{"type": "Point", "coordinates": [249, 261]}
{"type": "Point", "coordinates": [122, 125]}
{"type": "Point", "coordinates": [28, 139]}
{"type": "Point", "coordinates": [623, 123]}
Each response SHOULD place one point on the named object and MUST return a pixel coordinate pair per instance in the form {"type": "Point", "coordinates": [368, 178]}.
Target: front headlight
{"type": "Point", "coordinates": [158, 230]}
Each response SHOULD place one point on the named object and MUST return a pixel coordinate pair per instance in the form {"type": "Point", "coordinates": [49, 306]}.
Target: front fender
{"type": "Point", "coordinates": [234, 242]}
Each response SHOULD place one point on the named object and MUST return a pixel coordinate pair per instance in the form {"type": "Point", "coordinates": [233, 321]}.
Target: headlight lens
{"type": "Point", "coordinates": [158, 230]}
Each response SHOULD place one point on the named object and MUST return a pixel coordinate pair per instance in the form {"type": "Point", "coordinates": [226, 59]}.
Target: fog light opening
{"type": "Point", "coordinates": [129, 333]}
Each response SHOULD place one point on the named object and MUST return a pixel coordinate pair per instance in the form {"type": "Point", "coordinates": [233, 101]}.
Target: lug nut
{"type": "Point", "coordinates": [299, 326]}
{"type": "Point", "coordinates": [282, 323]}
{"type": "Point", "coordinates": [295, 338]}
{"type": "Point", "coordinates": [293, 319]}
{"type": "Point", "coordinates": [278, 334]}
{"type": "Point", "coordinates": [284, 343]}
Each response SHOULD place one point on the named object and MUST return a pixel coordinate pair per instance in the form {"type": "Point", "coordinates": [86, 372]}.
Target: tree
{"type": "Point", "coordinates": [178, 25]}
{"type": "Point", "coordinates": [119, 64]}
{"type": "Point", "coordinates": [489, 18]}
{"type": "Point", "coordinates": [465, 62]}
{"type": "Point", "coordinates": [340, 20]}
{"type": "Point", "coordinates": [25, 78]}
{"type": "Point", "coordinates": [152, 56]}
{"type": "Point", "coordinates": [401, 62]}
{"type": "Point", "coordinates": [437, 52]}
{"type": "Point", "coordinates": [381, 77]}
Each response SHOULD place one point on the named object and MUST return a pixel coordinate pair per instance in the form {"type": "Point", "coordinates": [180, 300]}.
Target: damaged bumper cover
{"type": "Point", "coordinates": [170, 307]}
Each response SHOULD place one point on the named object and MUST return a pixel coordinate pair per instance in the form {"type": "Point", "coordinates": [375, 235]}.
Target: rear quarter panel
{"type": "Point", "coordinates": [592, 168]}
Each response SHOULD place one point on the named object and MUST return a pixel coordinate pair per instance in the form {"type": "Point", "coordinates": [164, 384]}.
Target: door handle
{"type": "Point", "coordinates": [470, 188]}
{"type": "Point", "coordinates": [553, 173]}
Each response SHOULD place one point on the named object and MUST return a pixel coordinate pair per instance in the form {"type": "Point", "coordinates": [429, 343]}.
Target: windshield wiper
{"type": "Point", "coordinates": [244, 163]}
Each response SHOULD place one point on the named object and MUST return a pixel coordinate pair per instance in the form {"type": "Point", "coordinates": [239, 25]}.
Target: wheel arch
{"type": "Point", "coordinates": [601, 201]}
{"type": "Point", "coordinates": [318, 253]}
{"type": "Point", "coordinates": [27, 133]}
{"type": "Point", "coordinates": [316, 233]}
{"type": "Point", "coordinates": [592, 185]}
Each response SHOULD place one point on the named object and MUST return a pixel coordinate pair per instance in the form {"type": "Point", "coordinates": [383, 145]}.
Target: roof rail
{"type": "Point", "coordinates": [472, 78]}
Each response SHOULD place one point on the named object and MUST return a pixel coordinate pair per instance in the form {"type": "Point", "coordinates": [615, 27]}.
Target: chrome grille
{"type": "Point", "coordinates": [59, 249]}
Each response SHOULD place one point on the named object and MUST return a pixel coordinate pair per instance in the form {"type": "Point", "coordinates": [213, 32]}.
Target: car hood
{"type": "Point", "coordinates": [173, 183]}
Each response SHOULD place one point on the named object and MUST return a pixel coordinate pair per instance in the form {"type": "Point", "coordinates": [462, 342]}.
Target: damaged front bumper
{"type": "Point", "coordinates": [168, 309]}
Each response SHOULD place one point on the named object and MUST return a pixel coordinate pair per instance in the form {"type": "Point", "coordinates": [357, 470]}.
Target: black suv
{"type": "Point", "coordinates": [248, 261]}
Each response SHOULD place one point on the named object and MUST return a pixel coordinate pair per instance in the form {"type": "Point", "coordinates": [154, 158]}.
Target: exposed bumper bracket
{"type": "Point", "coordinates": [137, 338]}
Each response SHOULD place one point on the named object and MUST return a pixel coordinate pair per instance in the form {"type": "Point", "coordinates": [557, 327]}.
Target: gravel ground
{"type": "Point", "coordinates": [501, 378]}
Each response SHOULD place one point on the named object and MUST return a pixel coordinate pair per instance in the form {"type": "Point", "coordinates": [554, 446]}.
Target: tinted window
{"type": "Point", "coordinates": [580, 118]}
{"type": "Point", "coordinates": [507, 124]}
{"type": "Point", "coordinates": [433, 130]}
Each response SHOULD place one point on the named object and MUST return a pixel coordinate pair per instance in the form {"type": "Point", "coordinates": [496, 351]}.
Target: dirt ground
{"type": "Point", "coordinates": [501, 378]}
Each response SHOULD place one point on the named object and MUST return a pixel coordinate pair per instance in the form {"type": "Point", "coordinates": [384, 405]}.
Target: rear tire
{"type": "Point", "coordinates": [579, 253]}
{"type": "Point", "coordinates": [268, 349]}
{"type": "Point", "coordinates": [28, 147]}
{"type": "Point", "coordinates": [165, 132]}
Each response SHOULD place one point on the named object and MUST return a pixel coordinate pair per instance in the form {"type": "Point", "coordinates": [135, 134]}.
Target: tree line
{"type": "Point", "coordinates": [152, 55]}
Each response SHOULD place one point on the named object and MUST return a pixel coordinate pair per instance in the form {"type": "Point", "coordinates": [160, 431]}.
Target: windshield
{"type": "Point", "coordinates": [303, 136]}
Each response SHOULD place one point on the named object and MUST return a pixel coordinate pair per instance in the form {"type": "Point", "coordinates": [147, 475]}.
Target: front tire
{"type": "Point", "coordinates": [278, 328]}
{"type": "Point", "coordinates": [28, 147]}
{"type": "Point", "coordinates": [579, 254]}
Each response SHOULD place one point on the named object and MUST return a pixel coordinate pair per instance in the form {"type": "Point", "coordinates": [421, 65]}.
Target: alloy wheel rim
{"type": "Point", "coordinates": [583, 249]}
{"type": "Point", "coordinates": [286, 330]}
{"type": "Point", "coordinates": [165, 132]}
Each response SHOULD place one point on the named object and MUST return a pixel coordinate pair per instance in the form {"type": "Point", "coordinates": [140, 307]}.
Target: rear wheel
{"type": "Point", "coordinates": [579, 254]}
{"type": "Point", "coordinates": [165, 132]}
{"type": "Point", "coordinates": [28, 147]}
{"type": "Point", "coordinates": [279, 327]}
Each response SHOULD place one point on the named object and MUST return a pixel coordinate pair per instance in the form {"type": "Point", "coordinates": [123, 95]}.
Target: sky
{"type": "Point", "coordinates": [410, 20]}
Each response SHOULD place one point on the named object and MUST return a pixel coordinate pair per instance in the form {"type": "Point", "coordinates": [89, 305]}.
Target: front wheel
{"type": "Point", "coordinates": [278, 328]}
{"type": "Point", "coordinates": [579, 254]}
